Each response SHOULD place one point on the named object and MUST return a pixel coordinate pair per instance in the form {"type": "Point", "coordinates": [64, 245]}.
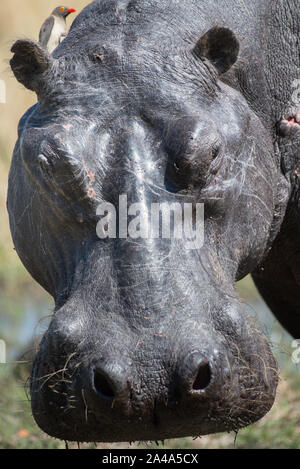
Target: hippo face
{"type": "Point", "coordinates": [148, 339]}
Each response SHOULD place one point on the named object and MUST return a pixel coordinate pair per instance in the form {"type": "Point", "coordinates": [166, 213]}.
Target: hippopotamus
{"type": "Point", "coordinates": [162, 101]}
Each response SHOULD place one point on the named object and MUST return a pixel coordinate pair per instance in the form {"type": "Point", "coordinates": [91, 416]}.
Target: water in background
{"type": "Point", "coordinates": [23, 321]}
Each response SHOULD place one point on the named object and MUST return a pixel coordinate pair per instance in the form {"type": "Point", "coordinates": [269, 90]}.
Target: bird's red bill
{"type": "Point", "coordinates": [71, 10]}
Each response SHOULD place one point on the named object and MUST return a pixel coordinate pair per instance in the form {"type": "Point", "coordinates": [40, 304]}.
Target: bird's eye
{"type": "Point", "coordinates": [62, 9]}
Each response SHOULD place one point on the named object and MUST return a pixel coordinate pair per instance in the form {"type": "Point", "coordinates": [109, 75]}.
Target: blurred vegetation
{"type": "Point", "coordinates": [23, 303]}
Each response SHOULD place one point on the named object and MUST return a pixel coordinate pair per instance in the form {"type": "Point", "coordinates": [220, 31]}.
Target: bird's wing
{"type": "Point", "coordinates": [45, 31]}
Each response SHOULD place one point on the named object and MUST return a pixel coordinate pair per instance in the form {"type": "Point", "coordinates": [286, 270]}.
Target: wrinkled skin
{"type": "Point", "coordinates": [148, 339]}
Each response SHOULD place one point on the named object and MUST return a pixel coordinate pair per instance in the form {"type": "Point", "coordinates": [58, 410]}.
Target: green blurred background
{"type": "Point", "coordinates": [25, 308]}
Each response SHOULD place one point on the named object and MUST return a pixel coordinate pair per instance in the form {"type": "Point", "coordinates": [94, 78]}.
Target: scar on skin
{"type": "Point", "coordinates": [91, 193]}
{"type": "Point", "coordinates": [90, 174]}
{"type": "Point", "coordinates": [138, 343]}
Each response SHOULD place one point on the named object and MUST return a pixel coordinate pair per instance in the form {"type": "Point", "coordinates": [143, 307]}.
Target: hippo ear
{"type": "Point", "coordinates": [29, 63]}
{"type": "Point", "coordinates": [220, 47]}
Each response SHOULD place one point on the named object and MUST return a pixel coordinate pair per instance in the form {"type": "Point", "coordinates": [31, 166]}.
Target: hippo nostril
{"type": "Point", "coordinates": [203, 377]}
{"type": "Point", "coordinates": [103, 385]}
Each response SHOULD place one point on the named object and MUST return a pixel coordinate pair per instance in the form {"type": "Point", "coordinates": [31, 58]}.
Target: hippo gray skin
{"type": "Point", "coordinates": [163, 101]}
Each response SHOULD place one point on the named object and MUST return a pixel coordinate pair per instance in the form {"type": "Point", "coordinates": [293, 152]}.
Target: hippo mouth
{"type": "Point", "coordinates": [157, 389]}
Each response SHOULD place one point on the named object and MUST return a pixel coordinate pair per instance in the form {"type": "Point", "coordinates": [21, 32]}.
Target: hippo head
{"type": "Point", "coordinates": [148, 339]}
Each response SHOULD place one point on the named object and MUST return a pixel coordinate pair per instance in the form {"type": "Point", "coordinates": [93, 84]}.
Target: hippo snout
{"type": "Point", "coordinates": [150, 385]}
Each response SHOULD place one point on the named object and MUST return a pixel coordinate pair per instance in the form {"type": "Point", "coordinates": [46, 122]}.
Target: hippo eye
{"type": "Point", "coordinates": [194, 151]}
{"type": "Point", "coordinates": [215, 151]}
{"type": "Point", "coordinates": [216, 162]}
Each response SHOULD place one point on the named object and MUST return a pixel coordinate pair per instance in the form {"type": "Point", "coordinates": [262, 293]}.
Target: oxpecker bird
{"type": "Point", "coordinates": [54, 29]}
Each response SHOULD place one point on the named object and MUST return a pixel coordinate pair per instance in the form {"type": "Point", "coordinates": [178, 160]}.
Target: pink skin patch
{"type": "Point", "coordinates": [91, 193]}
{"type": "Point", "coordinates": [289, 124]}
{"type": "Point", "coordinates": [91, 176]}
{"type": "Point", "coordinates": [291, 121]}
{"type": "Point", "coordinates": [89, 173]}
